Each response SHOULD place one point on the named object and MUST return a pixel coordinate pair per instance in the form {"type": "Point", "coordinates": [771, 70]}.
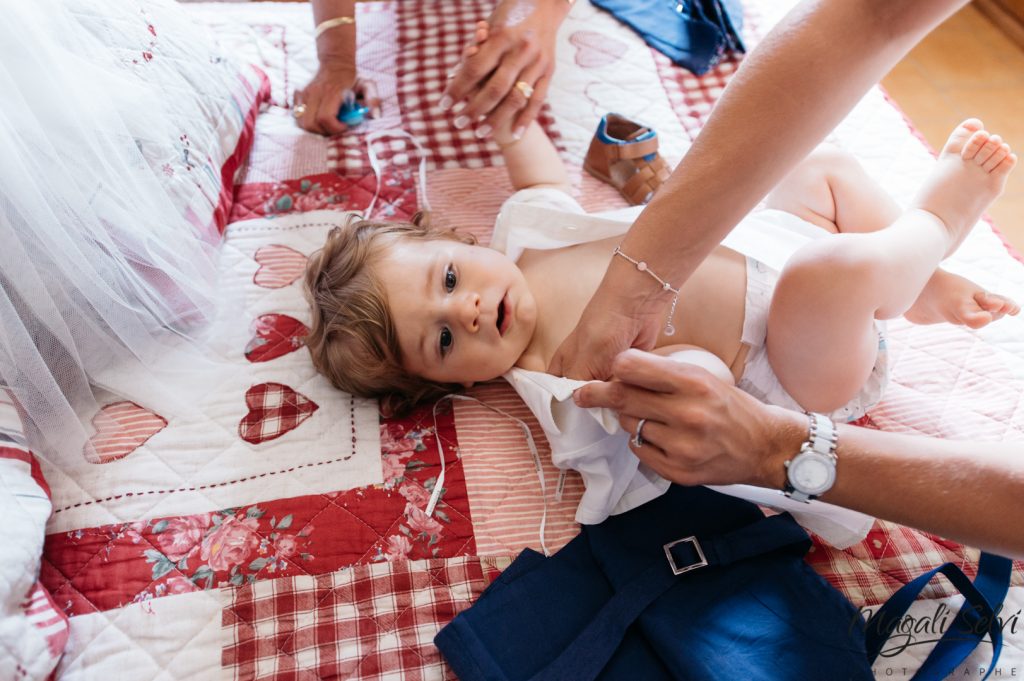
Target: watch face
{"type": "Point", "coordinates": [811, 474]}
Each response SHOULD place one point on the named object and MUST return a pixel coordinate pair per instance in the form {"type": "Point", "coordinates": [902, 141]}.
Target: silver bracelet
{"type": "Point", "coordinates": [641, 266]}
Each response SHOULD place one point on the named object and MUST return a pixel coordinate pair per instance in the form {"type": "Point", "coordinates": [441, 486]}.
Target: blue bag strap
{"type": "Point", "coordinates": [588, 654]}
{"type": "Point", "coordinates": [977, 616]}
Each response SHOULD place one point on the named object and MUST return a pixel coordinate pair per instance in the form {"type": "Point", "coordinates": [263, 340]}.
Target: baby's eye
{"type": "Point", "coordinates": [450, 279]}
{"type": "Point", "coordinates": [446, 341]}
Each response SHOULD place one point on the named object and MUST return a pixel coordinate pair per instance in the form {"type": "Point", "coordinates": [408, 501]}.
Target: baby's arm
{"type": "Point", "coordinates": [532, 160]}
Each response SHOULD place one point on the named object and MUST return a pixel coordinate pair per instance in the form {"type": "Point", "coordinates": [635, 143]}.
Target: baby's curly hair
{"type": "Point", "coordinates": [353, 341]}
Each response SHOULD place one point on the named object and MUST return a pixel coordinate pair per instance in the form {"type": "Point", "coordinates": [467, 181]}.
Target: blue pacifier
{"type": "Point", "coordinates": [352, 111]}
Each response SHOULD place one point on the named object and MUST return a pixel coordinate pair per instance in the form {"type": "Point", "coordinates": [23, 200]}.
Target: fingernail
{"type": "Point", "coordinates": [445, 103]}
{"type": "Point", "coordinates": [459, 107]}
{"type": "Point", "coordinates": [517, 133]}
{"type": "Point", "coordinates": [576, 396]}
{"type": "Point", "coordinates": [483, 131]}
{"type": "Point", "coordinates": [461, 122]}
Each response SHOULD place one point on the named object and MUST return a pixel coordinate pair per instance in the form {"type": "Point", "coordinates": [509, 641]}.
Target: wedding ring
{"type": "Point", "coordinates": [525, 88]}
{"type": "Point", "coordinates": [638, 439]}
{"type": "Point", "coordinates": [299, 110]}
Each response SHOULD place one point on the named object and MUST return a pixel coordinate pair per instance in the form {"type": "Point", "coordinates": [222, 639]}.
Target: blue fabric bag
{"type": "Point", "coordinates": [694, 34]}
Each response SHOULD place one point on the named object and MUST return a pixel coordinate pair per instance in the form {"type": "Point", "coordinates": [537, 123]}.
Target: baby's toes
{"type": "Point", "coordinates": [974, 144]}
{"type": "Point", "coordinates": [975, 318]}
{"type": "Point", "coordinates": [995, 305]}
{"type": "Point", "coordinates": [1006, 306]}
{"type": "Point", "coordinates": [997, 157]}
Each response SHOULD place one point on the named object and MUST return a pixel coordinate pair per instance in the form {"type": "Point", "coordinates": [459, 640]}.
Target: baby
{"type": "Point", "coordinates": [407, 312]}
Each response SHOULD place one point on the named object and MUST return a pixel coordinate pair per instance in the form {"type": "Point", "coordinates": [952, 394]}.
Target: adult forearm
{"type": "Point", "coordinates": [972, 492]}
{"type": "Point", "coordinates": [338, 43]}
{"type": "Point", "coordinates": [794, 88]}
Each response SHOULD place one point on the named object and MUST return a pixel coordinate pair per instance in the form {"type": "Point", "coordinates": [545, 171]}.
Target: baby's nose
{"type": "Point", "coordinates": [469, 311]}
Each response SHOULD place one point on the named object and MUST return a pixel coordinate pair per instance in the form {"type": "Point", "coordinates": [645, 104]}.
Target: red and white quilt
{"type": "Point", "coordinates": [277, 531]}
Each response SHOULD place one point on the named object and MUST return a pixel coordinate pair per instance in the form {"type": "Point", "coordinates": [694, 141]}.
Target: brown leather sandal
{"type": "Point", "coordinates": [625, 155]}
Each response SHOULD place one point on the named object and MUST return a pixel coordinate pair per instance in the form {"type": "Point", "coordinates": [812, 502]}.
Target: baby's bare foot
{"type": "Point", "coordinates": [953, 299]}
{"type": "Point", "coordinates": [969, 174]}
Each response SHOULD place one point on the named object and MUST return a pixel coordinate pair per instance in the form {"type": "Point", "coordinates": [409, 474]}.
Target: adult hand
{"type": "Point", "coordinates": [699, 430]}
{"type": "Point", "coordinates": [519, 47]}
{"type": "Point", "coordinates": [614, 320]}
{"type": "Point", "coordinates": [322, 97]}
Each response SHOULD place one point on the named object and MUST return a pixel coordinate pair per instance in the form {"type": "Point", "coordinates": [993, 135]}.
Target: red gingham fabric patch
{"type": "Point", "coordinates": [692, 98]}
{"type": "Point", "coordinates": [274, 409]}
{"type": "Point", "coordinates": [432, 35]}
{"type": "Point", "coordinates": [369, 622]}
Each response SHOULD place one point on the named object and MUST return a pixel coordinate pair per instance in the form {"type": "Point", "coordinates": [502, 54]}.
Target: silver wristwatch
{"type": "Point", "coordinates": [812, 472]}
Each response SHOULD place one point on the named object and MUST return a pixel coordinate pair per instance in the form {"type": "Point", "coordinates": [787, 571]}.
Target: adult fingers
{"type": "Point", "coordinates": [515, 100]}
{"type": "Point", "coordinates": [588, 352]}
{"type": "Point", "coordinates": [628, 400]}
{"type": "Point", "coordinates": [657, 373]}
{"type": "Point", "coordinates": [650, 450]}
{"type": "Point", "coordinates": [653, 432]}
{"type": "Point", "coordinates": [661, 451]}
{"type": "Point", "coordinates": [475, 69]}
{"type": "Point", "coordinates": [306, 106]}
{"type": "Point", "coordinates": [327, 112]}
{"type": "Point", "coordinates": [367, 90]}
{"type": "Point", "coordinates": [529, 113]}
{"type": "Point", "coordinates": [514, 64]}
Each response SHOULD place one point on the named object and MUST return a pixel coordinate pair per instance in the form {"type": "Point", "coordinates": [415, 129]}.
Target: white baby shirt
{"type": "Point", "coordinates": [590, 441]}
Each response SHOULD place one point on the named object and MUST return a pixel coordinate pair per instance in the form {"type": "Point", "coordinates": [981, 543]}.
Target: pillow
{"type": "Point", "coordinates": [207, 99]}
{"type": "Point", "coordinates": [33, 630]}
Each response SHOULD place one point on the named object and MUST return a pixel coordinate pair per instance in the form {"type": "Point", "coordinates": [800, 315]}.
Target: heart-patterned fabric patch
{"type": "Point", "coordinates": [274, 409]}
{"type": "Point", "coordinates": [121, 428]}
{"type": "Point", "coordinates": [275, 335]}
{"type": "Point", "coordinates": [279, 266]}
{"type": "Point", "coordinates": [594, 50]}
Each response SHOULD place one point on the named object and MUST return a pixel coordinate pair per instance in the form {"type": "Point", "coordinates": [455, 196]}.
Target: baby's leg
{"type": "Point", "coordinates": [832, 190]}
{"type": "Point", "coordinates": [821, 337]}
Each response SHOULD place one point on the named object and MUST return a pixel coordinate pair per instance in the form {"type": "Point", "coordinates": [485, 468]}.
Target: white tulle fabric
{"type": "Point", "coordinates": [104, 285]}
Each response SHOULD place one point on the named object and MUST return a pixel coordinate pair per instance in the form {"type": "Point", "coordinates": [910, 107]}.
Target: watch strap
{"type": "Point", "coordinates": [822, 436]}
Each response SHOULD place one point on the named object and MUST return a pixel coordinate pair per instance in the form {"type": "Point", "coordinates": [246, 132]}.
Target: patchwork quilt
{"type": "Point", "coordinates": [276, 530]}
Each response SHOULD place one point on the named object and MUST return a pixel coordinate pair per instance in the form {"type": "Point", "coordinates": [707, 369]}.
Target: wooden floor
{"type": "Point", "coordinates": [968, 67]}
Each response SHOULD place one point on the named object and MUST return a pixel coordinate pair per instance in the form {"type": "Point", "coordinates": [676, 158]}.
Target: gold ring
{"type": "Point", "coordinates": [525, 88]}
{"type": "Point", "coordinates": [299, 110]}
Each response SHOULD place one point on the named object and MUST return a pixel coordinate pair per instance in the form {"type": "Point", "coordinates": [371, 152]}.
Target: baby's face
{"type": "Point", "coordinates": [463, 313]}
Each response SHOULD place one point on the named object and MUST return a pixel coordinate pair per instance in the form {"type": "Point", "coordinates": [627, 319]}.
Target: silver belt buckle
{"type": "Point", "coordinates": [676, 570]}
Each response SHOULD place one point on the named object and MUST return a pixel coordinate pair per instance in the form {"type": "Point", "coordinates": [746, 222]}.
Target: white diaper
{"type": "Point", "coordinates": [759, 379]}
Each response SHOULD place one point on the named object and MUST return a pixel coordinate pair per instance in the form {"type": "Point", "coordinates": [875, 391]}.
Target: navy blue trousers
{"type": "Point", "coordinates": [769, 616]}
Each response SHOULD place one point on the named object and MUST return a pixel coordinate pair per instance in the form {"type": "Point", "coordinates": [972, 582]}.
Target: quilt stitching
{"type": "Point", "coordinates": [328, 502]}
{"type": "Point", "coordinates": [198, 488]}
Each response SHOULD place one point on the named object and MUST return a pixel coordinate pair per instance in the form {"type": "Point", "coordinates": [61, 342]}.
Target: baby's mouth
{"type": "Point", "coordinates": [500, 322]}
